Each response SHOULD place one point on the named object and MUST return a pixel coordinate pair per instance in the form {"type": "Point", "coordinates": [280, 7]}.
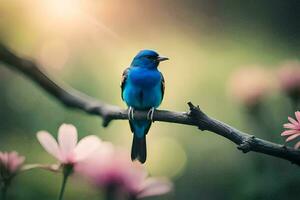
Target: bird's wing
{"type": "Point", "coordinates": [123, 81]}
{"type": "Point", "coordinates": [162, 86]}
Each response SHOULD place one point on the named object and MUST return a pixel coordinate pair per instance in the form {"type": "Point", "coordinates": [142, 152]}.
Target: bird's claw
{"type": "Point", "coordinates": [150, 114]}
{"type": "Point", "coordinates": [130, 113]}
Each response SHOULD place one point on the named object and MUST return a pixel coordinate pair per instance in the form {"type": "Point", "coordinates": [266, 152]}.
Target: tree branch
{"type": "Point", "coordinates": [195, 117]}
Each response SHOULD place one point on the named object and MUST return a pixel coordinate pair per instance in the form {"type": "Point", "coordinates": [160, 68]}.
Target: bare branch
{"type": "Point", "coordinates": [195, 117]}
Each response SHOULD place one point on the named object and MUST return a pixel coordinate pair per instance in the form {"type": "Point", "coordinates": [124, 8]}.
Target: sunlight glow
{"type": "Point", "coordinates": [65, 10]}
{"type": "Point", "coordinates": [70, 17]}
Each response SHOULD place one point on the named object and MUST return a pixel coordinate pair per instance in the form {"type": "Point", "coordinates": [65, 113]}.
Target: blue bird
{"type": "Point", "coordinates": [142, 89]}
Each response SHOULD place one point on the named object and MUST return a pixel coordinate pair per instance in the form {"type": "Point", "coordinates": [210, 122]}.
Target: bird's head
{"type": "Point", "coordinates": [147, 59]}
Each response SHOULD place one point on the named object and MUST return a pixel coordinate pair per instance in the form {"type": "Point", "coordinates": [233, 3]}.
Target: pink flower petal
{"type": "Point", "coordinates": [134, 178]}
{"type": "Point", "coordinates": [290, 126]}
{"type": "Point", "coordinates": [11, 161]}
{"type": "Point", "coordinates": [297, 145]}
{"type": "Point", "coordinates": [297, 114]}
{"type": "Point", "coordinates": [293, 121]}
{"type": "Point", "coordinates": [289, 132]}
{"type": "Point", "coordinates": [292, 137]}
{"type": "Point", "coordinates": [103, 169]}
{"type": "Point", "coordinates": [67, 139]}
{"type": "Point", "coordinates": [86, 146]}
{"type": "Point", "coordinates": [49, 144]}
{"type": "Point", "coordinates": [153, 187]}
{"type": "Point", "coordinates": [15, 161]}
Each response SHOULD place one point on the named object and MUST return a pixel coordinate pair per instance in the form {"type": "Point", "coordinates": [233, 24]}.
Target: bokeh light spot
{"type": "Point", "coordinates": [166, 157]}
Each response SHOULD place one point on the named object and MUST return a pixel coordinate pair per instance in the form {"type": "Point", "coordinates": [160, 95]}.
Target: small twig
{"type": "Point", "coordinates": [50, 167]}
{"type": "Point", "coordinates": [195, 117]}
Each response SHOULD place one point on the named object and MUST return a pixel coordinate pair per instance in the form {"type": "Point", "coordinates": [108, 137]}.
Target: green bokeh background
{"type": "Point", "coordinates": [205, 41]}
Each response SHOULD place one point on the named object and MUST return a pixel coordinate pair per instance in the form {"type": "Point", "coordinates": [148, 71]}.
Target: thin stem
{"type": "Point", "coordinates": [110, 193]}
{"type": "Point", "coordinates": [63, 186]}
{"type": "Point", "coordinates": [132, 197]}
{"type": "Point", "coordinates": [4, 191]}
{"type": "Point", "coordinates": [67, 171]}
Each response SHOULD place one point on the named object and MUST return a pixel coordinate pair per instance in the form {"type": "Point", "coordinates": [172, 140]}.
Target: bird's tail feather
{"type": "Point", "coordinates": [140, 130]}
{"type": "Point", "coordinates": [139, 149]}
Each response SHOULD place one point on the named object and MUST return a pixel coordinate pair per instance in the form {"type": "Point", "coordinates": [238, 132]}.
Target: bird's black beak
{"type": "Point", "coordinates": [161, 58]}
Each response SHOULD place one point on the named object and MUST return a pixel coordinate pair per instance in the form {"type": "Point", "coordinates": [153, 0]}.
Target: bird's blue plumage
{"type": "Point", "coordinates": [143, 89]}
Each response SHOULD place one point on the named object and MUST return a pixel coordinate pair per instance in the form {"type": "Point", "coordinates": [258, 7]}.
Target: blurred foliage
{"type": "Point", "coordinates": [87, 44]}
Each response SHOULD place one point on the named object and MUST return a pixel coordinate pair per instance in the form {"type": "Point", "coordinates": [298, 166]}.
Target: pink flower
{"type": "Point", "coordinates": [113, 168]}
{"type": "Point", "coordinates": [67, 151]}
{"type": "Point", "coordinates": [289, 77]}
{"type": "Point", "coordinates": [10, 163]}
{"type": "Point", "coordinates": [250, 85]}
{"type": "Point", "coordinates": [294, 129]}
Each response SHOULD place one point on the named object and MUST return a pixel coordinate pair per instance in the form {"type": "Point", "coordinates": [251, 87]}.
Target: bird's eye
{"type": "Point", "coordinates": [151, 57]}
